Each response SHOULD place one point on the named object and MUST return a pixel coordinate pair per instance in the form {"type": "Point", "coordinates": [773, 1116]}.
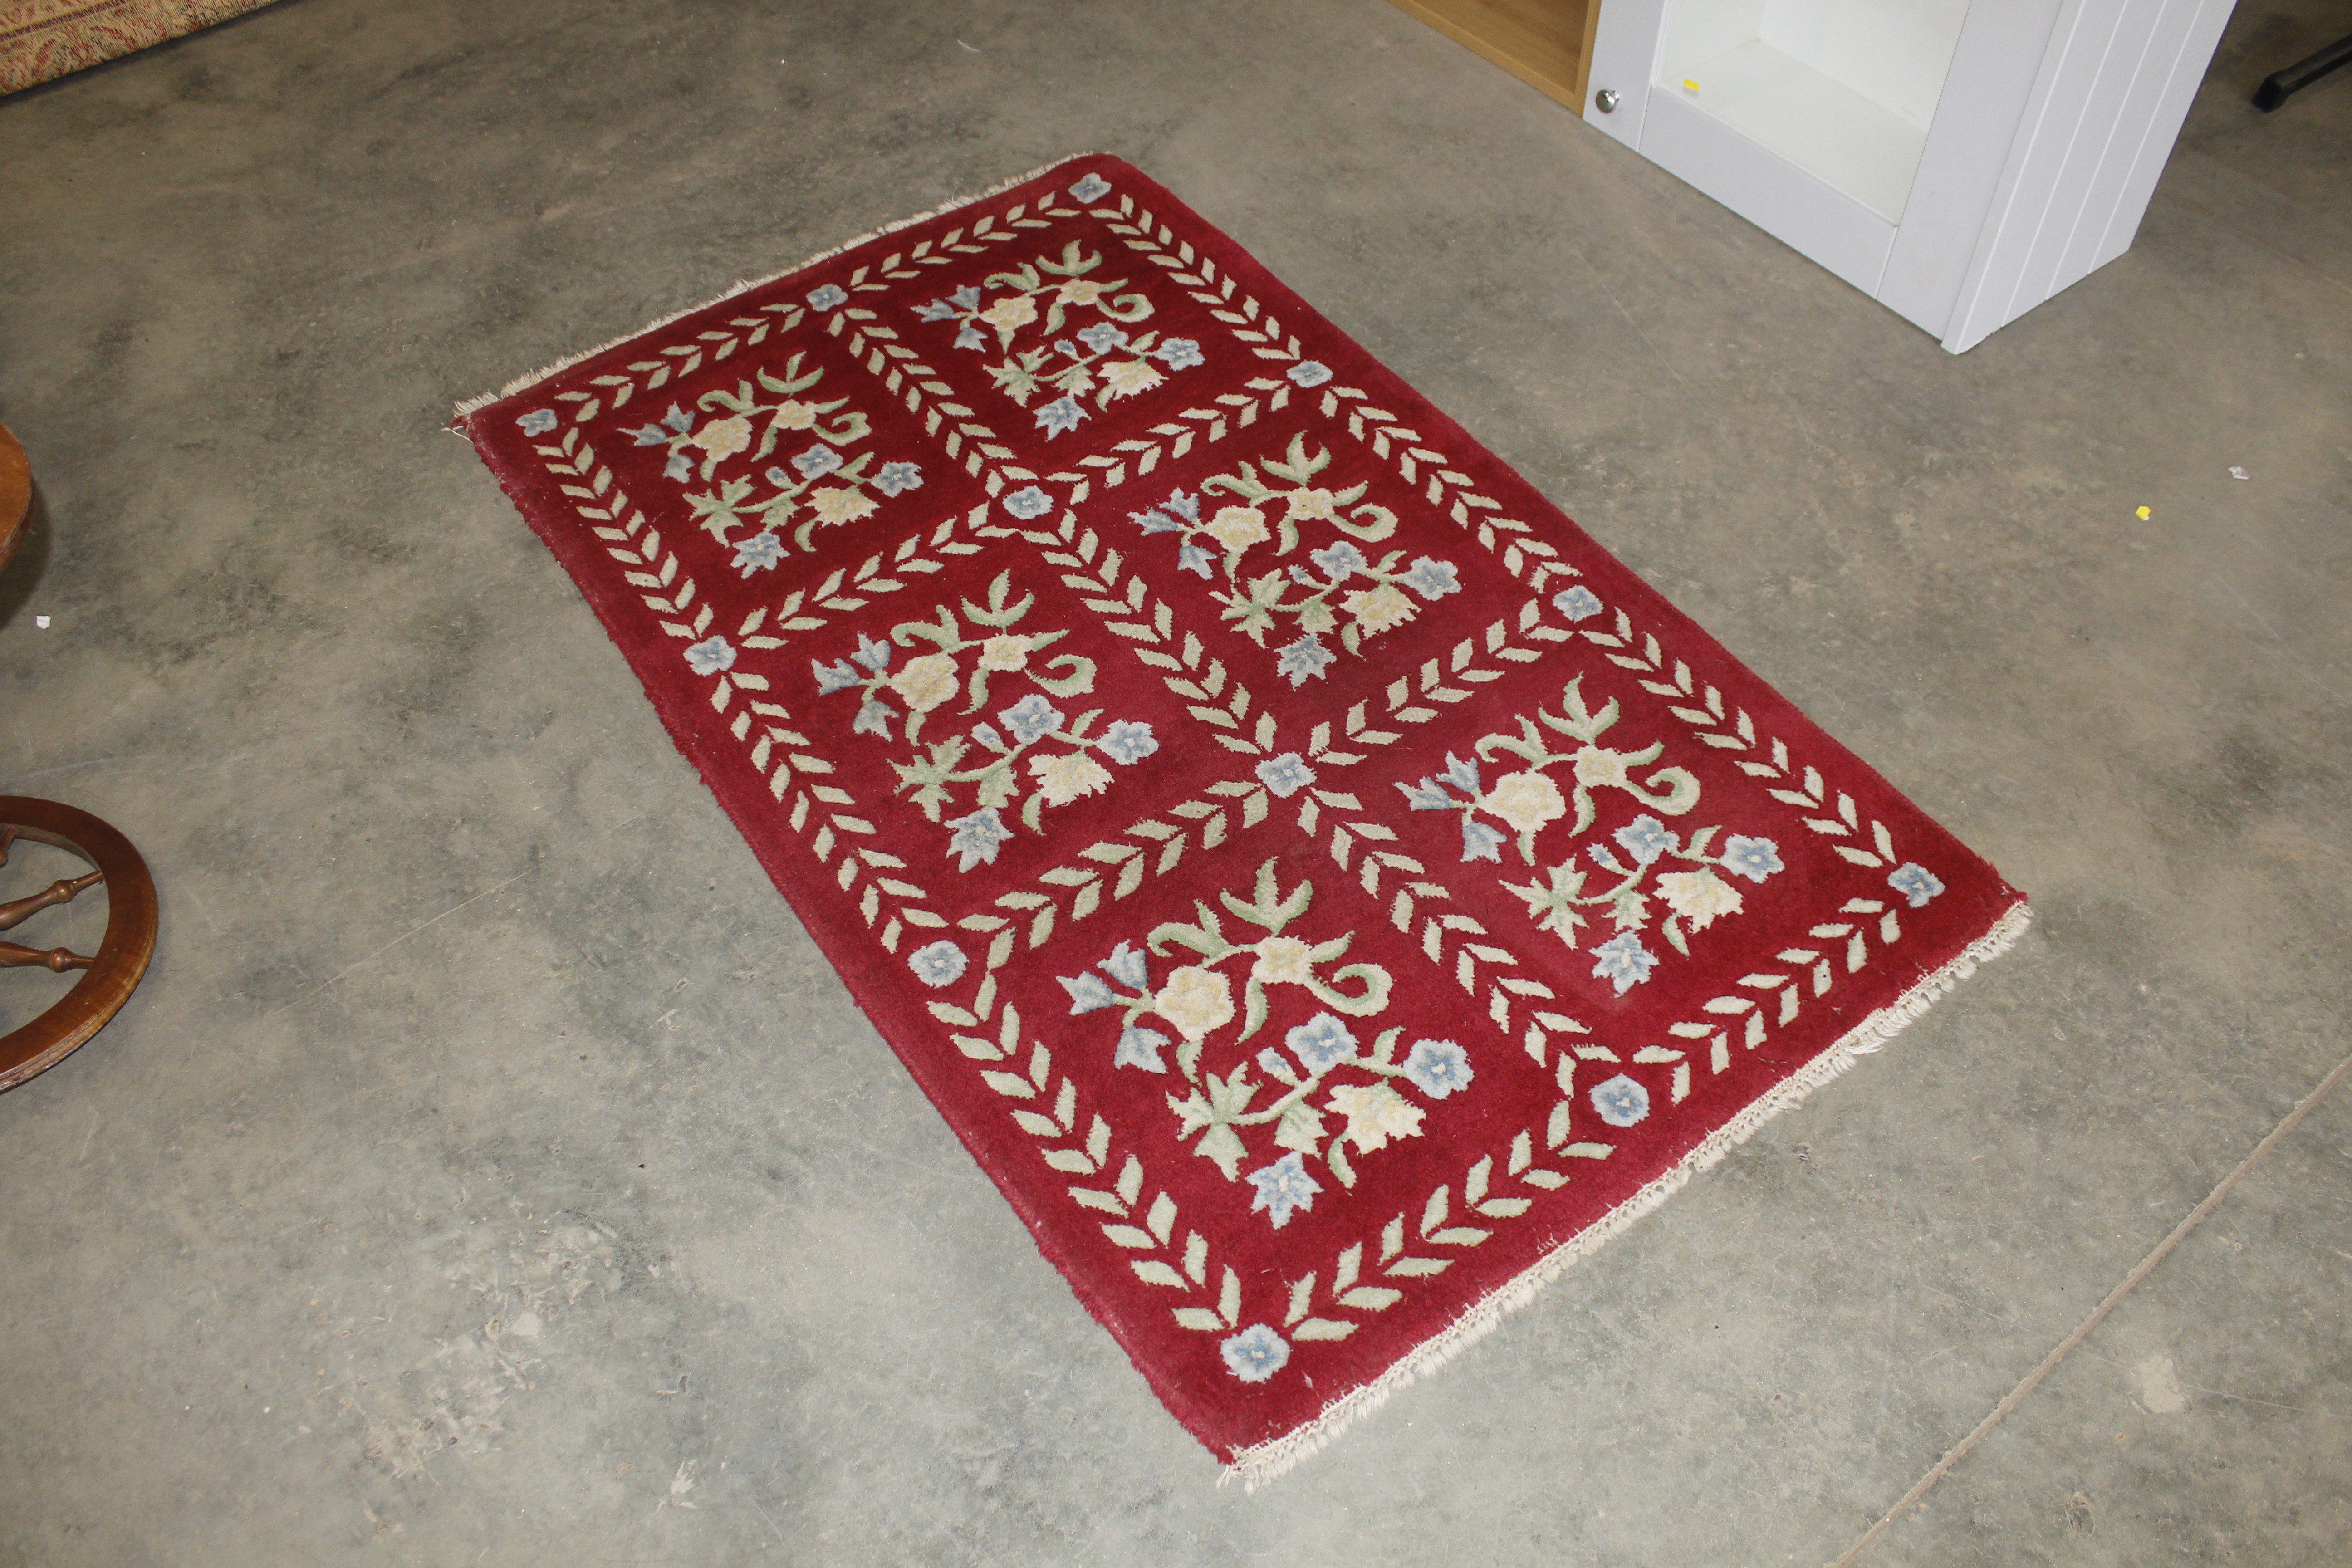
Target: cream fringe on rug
{"type": "Point", "coordinates": [1256, 1467]}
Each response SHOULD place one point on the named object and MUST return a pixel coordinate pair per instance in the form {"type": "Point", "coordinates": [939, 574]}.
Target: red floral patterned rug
{"type": "Point", "coordinates": [1326, 892]}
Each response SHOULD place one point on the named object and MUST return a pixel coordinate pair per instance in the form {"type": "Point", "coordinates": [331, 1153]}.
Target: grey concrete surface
{"type": "Point", "coordinates": [490, 1170]}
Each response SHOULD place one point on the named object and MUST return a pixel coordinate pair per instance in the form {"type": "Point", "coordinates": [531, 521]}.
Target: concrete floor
{"type": "Point", "coordinates": [490, 1169]}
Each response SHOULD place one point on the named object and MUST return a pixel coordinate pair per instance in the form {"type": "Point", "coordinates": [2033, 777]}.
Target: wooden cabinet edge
{"type": "Point", "coordinates": [1572, 93]}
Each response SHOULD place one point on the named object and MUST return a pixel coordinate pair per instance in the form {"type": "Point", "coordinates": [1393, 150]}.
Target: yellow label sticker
{"type": "Point", "coordinates": [2143, 514]}
{"type": "Point", "coordinates": [1689, 85]}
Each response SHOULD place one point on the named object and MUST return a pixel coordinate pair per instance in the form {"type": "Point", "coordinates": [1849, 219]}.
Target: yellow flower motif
{"type": "Point", "coordinates": [1237, 528]}
{"type": "Point", "coordinates": [1015, 310]}
{"type": "Point", "coordinates": [1127, 377]}
{"type": "Point", "coordinates": [1376, 1114]}
{"type": "Point", "coordinates": [1316, 506]}
{"type": "Point", "coordinates": [1527, 801]}
{"type": "Point", "coordinates": [794, 415]}
{"type": "Point", "coordinates": [724, 437]}
{"type": "Point", "coordinates": [1698, 896]}
{"type": "Point", "coordinates": [1064, 779]}
{"type": "Point", "coordinates": [1079, 291]}
{"type": "Point", "coordinates": [1004, 654]}
{"type": "Point", "coordinates": [1597, 765]}
{"type": "Point", "coordinates": [926, 683]}
{"type": "Point", "coordinates": [1195, 1000]}
{"type": "Point", "coordinates": [1378, 609]}
{"type": "Point", "coordinates": [1281, 961]}
{"type": "Point", "coordinates": [837, 505]}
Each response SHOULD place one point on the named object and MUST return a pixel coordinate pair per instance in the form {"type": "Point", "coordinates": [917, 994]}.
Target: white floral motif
{"type": "Point", "coordinates": [1056, 749]}
{"type": "Point", "coordinates": [1282, 1187]}
{"type": "Point", "coordinates": [744, 424]}
{"type": "Point", "coordinates": [1916, 883]}
{"type": "Point", "coordinates": [1254, 1354]}
{"type": "Point", "coordinates": [1354, 598]}
{"type": "Point", "coordinates": [940, 964]}
{"type": "Point", "coordinates": [1104, 363]}
{"type": "Point", "coordinates": [1196, 1004]}
{"type": "Point", "coordinates": [1620, 1101]}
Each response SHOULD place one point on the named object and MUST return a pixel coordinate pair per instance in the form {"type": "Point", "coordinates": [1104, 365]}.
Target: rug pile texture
{"type": "Point", "coordinates": [1326, 892]}
{"type": "Point", "coordinates": [41, 40]}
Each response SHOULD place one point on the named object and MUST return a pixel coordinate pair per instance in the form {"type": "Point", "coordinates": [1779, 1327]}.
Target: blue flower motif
{"type": "Point", "coordinates": [1321, 1043]}
{"type": "Point", "coordinates": [987, 736]}
{"type": "Point", "coordinates": [1256, 1354]}
{"type": "Point", "coordinates": [1307, 656]}
{"type": "Point", "coordinates": [1087, 992]}
{"type": "Point", "coordinates": [817, 462]}
{"type": "Point", "coordinates": [1197, 558]}
{"type": "Point", "coordinates": [1102, 336]}
{"type": "Point", "coordinates": [1309, 373]}
{"type": "Point", "coordinates": [873, 719]}
{"type": "Point", "coordinates": [1281, 1187]}
{"type": "Point", "coordinates": [679, 419]}
{"type": "Point", "coordinates": [1916, 883]}
{"type": "Point", "coordinates": [1183, 506]}
{"type": "Point", "coordinates": [1462, 773]}
{"type": "Point", "coordinates": [648, 436]}
{"type": "Point", "coordinates": [976, 836]}
{"type": "Point", "coordinates": [1062, 414]}
{"type": "Point", "coordinates": [1030, 718]}
{"type": "Point", "coordinates": [1578, 604]}
{"type": "Point", "coordinates": [680, 467]}
{"type": "Point", "coordinates": [1094, 187]}
{"type": "Point", "coordinates": [1427, 795]}
{"type": "Point", "coordinates": [941, 963]}
{"type": "Point", "coordinates": [1623, 961]}
{"type": "Point", "coordinates": [710, 655]}
{"type": "Point", "coordinates": [758, 553]}
{"type": "Point", "coordinates": [1027, 502]}
{"type": "Point", "coordinates": [540, 421]}
{"type": "Point", "coordinates": [1481, 842]}
{"type": "Point", "coordinates": [835, 677]}
{"type": "Point", "coordinates": [825, 297]}
{"type": "Point", "coordinates": [966, 297]}
{"type": "Point", "coordinates": [1620, 1101]}
{"type": "Point", "coordinates": [1178, 353]}
{"type": "Point", "coordinates": [936, 311]}
{"type": "Point", "coordinates": [1286, 774]}
{"type": "Point", "coordinates": [1644, 838]}
{"type": "Point", "coordinates": [872, 652]}
{"type": "Point", "coordinates": [1129, 742]}
{"type": "Point", "coordinates": [1155, 521]}
{"type": "Point", "coordinates": [1140, 1048]}
{"type": "Point", "coordinates": [897, 479]}
{"type": "Point", "coordinates": [969, 337]}
{"type": "Point", "coordinates": [1128, 965]}
{"type": "Point", "coordinates": [1755, 858]}
{"type": "Point", "coordinates": [1340, 561]}
{"type": "Point", "coordinates": [1438, 1067]}
{"type": "Point", "coordinates": [1432, 579]}
{"type": "Point", "coordinates": [1605, 861]}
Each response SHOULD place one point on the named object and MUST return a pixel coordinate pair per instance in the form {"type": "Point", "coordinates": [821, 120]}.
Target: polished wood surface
{"type": "Point", "coordinates": [1548, 44]}
{"type": "Point", "coordinates": [15, 494]}
{"type": "Point", "coordinates": [111, 973]}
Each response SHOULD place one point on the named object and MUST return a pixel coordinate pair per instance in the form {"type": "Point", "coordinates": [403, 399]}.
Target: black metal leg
{"type": "Point", "coordinates": [2302, 74]}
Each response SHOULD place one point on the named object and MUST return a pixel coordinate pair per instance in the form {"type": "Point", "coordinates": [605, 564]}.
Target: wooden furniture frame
{"type": "Point", "coordinates": [1548, 44]}
{"type": "Point", "coordinates": [113, 972]}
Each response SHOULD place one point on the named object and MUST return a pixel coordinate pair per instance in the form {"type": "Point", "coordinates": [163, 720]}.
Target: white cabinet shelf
{"type": "Point", "coordinates": [1959, 160]}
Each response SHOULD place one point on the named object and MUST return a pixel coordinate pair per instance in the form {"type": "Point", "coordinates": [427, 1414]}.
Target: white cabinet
{"type": "Point", "coordinates": [1959, 160]}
